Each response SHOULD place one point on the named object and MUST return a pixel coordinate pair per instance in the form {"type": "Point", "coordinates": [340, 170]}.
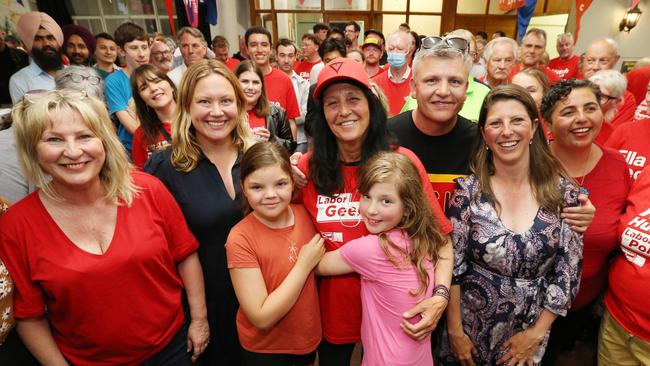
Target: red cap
{"type": "Point", "coordinates": [341, 69]}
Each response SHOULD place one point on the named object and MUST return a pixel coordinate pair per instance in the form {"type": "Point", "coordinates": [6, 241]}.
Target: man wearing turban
{"type": "Point", "coordinates": [78, 44]}
{"type": "Point", "coordinates": [43, 38]}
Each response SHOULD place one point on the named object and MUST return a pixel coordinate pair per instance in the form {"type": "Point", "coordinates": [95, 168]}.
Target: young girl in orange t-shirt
{"type": "Point", "coordinates": [271, 256]}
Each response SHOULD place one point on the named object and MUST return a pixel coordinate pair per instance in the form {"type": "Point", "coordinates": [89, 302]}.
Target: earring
{"type": "Point", "coordinates": [487, 148]}
{"type": "Point", "coordinates": [531, 142]}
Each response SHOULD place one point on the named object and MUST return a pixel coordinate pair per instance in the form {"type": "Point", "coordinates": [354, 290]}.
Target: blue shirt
{"type": "Point", "coordinates": [117, 91]}
{"type": "Point", "coordinates": [30, 77]}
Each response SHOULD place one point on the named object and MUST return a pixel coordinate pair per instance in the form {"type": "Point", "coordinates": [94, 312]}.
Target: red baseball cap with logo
{"type": "Point", "coordinates": [338, 70]}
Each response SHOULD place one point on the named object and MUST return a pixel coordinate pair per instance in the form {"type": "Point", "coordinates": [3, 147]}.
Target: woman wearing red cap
{"type": "Point", "coordinates": [349, 127]}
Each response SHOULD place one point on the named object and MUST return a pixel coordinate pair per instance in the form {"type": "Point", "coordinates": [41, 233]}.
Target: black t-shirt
{"type": "Point", "coordinates": [11, 60]}
{"type": "Point", "coordinates": [445, 157]}
{"type": "Point", "coordinates": [210, 214]}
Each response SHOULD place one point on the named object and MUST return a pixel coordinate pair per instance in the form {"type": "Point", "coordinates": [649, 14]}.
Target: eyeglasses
{"type": "Point", "coordinates": [456, 43]}
{"type": "Point", "coordinates": [604, 98]}
{"type": "Point", "coordinates": [161, 53]}
{"type": "Point", "coordinates": [93, 80]}
{"type": "Point", "coordinates": [593, 61]}
{"type": "Point", "coordinates": [33, 96]}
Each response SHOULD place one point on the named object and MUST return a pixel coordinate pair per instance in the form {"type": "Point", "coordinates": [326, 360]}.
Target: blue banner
{"type": "Point", "coordinates": [523, 17]}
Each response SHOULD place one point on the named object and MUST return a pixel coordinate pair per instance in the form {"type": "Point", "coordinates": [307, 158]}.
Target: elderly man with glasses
{"type": "Point", "coordinates": [161, 56]}
{"type": "Point", "coordinates": [602, 54]}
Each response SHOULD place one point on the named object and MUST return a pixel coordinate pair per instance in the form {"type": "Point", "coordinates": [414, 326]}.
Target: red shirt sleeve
{"type": "Point", "coordinates": [293, 111]}
{"type": "Point", "coordinates": [138, 149]}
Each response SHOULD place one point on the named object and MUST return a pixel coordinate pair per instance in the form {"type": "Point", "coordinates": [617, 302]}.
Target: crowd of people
{"type": "Point", "coordinates": [442, 198]}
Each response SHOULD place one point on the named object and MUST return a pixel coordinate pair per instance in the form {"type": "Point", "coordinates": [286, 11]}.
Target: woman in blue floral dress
{"type": "Point", "coordinates": [517, 263]}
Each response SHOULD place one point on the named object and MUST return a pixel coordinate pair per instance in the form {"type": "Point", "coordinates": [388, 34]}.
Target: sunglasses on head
{"type": "Point", "coordinates": [456, 43]}
{"type": "Point", "coordinates": [36, 94]}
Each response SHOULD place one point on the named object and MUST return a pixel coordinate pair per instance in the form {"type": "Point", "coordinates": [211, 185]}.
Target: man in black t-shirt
{"type": "Point", "coordinates": [441, 138]}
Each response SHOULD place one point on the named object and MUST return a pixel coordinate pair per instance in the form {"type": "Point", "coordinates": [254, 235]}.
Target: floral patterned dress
{"type": "Point", "coordinates": [506, 278]}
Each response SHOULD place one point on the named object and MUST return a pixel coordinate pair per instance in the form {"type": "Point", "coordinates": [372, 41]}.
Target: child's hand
{"type": "Point", "coordinates": [311, 253]}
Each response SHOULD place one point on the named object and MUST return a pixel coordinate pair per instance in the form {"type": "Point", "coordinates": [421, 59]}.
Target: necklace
{"type": "Point", "coordinates": [584, 172]}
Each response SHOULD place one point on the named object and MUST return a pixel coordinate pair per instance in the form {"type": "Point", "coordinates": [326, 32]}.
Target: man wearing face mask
{"type": "Point", "coordinates": [395, 81]}
{"type": "Point", "coordinates": [43, 39]}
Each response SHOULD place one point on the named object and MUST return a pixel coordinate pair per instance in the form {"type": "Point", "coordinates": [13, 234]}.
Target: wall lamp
{"type": "Point", "coordinates": [630, 19]}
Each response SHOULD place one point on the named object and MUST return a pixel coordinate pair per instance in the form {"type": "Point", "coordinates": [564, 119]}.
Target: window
{"type": "Point", "coordinates": [104, 16]}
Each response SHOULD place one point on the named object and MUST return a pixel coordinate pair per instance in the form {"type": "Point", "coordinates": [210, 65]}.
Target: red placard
{"type": "Point", "coordinates": [507, 5]}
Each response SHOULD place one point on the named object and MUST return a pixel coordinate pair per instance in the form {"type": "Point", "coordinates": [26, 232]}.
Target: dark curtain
{"type": "Point", "coordinates": [203, 25]}
{"type": "Point", "coordinates": [57, 9]}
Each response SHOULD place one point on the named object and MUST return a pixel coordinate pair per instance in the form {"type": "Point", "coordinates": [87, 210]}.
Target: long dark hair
{"type": "Point", "coordinates": [325, 164]}
{"type": "Point", "coordinates": [148, 117]}
{"type": "Point", "coordinates": [262, 107]}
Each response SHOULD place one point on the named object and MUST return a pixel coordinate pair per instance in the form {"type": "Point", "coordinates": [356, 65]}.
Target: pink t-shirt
{"type": "Point", "coordinates": [385, 296]}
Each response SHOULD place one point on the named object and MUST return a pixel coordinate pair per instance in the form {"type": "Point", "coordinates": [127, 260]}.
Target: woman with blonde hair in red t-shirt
{"type": "Point", "coordinates": [573, 112]}
{"type": "Point", "coordinates": [271, 256]}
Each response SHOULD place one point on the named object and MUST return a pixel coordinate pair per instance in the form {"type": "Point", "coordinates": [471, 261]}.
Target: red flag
{"type": "Point", "coordinates": [170, 14]}
{"type": "Point", "coordinates": [581, 7]}
{"type": "Point", "coordinates": [507, 5]}
{"type": "Point", "coordinates": [634, 3]}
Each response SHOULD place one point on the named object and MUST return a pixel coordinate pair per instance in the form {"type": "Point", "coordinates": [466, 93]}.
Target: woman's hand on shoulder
{"type": "Point", "coordinates": [299, 179]}
{"type": "Point", "coordinates": [198, 337]}
{"type": "Point", "coordinates": [430, 309]}
{"type": "Point", "coordinates": [462, 347]}
{"type": "Point", "coordinates": [311, 253]}
{"type": "Point", "coordinates": [581, 216]}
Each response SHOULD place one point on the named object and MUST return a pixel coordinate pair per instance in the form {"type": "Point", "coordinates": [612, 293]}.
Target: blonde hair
{"type": "Point", "coordinates": [418, 223]}
{"type": "Point", "coordinates": [31, 119]}
{"type": "Point", "coordinates": [186, 151]}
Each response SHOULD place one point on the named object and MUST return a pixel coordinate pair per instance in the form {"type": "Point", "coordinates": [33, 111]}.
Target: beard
{"type": "Point", "coordinates": [348, 42]}
{"type": "Point", "coordinates": [79, 59]}
{"type": "Point", "coordinates": [47, 61]}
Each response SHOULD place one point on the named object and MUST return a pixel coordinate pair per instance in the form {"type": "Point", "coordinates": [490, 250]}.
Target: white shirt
{"type": "Point", "coordinates": [177, 74]}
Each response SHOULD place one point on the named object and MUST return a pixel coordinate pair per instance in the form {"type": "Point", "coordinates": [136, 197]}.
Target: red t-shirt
{"type": "Point", "coordinates": [396, 94]}
{"type": "Point", "coordinates": [252, 244]}
{"type": "Point", "coordinates": [605, 132]}
{"type": "Point", "coordinates": [141, 150]}
{"type": "Point", "coordinates": [121, 307]}
{"type": "Point", "coordinates": [637, 82]}
{"type": "Point", "coordinates": [566, 69]}
{"type": "Point", "coordinates": [303, 68]}
{"type": "Point", "coordinates": [552, 76]}
{"type": "Point", "coordinates": [632, 140]}
{"type": "Point", "coordinates": [254, 120]}
{"type": "Point", "coordinates": [608, 185]}
{"type": "Point", "coordinates": [627, 298]}
{"type": "Point", "coordinates": [279, 90]}
{"type": "Point", "coordinates": [231, 63]}
{"type": "Point", "coordinates": [338, 221]}
{"type": "Point", "coordinates": [626, 112]}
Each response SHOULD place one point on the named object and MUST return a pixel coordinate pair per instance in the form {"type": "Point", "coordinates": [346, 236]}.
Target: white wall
{"type": "Point", "coordinates": [10, 11]}
{"type": "Point", "coordinates": [602, 19]}
{"type": "Point", "coordinates": [233, 19]}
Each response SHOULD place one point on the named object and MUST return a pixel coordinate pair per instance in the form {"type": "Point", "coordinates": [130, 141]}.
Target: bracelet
{"type": "Point", "coordinates": [442, 291]}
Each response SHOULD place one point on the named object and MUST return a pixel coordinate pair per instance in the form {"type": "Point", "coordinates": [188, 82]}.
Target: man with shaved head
{"type": "Point", "coordinates": [602, 54]}
{"type": "Point", "coordinates": [395, 81]}
{"type": "Point", "coordinates": [566, 64]}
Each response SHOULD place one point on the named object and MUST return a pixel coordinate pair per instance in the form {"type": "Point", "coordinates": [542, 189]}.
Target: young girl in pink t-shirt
{"type": "Point", "coordinates": [396, 263]}
{"type": "Point", "coordinates": [271, 256]}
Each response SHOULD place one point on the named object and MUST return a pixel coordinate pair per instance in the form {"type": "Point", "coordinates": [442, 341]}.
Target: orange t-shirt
{"type": "Point", "coordinates": [252, 244]}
